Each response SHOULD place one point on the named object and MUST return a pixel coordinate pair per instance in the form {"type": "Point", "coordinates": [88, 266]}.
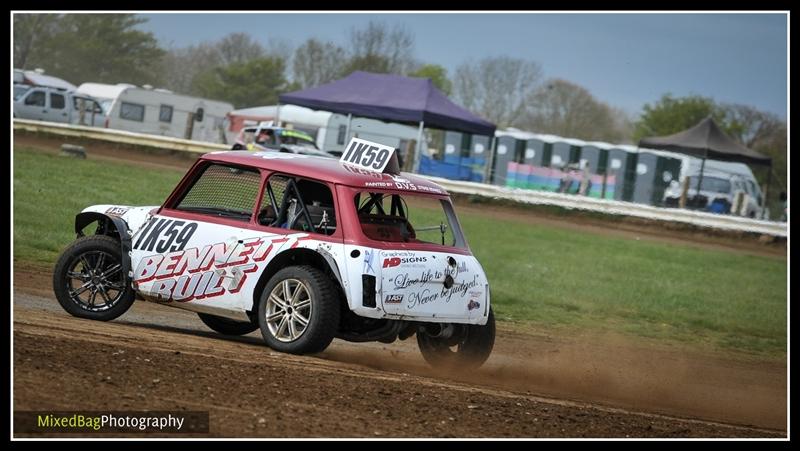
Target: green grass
{"type": "Point", "coordinates": [566, 278]}
{"type": "Point", "coordinates": [541, 276]}
{"type": "Point", "coordinates": [50, 190]}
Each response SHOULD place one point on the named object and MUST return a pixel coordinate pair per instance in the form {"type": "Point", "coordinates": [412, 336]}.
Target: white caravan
{"type": "Point", "coordinates": [160, 112]}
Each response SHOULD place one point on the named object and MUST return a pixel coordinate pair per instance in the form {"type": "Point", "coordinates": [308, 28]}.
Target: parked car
{"type": "Point", "coordinates": [266, 137]}
{"type": "Point", "coordinates": [43, 103]}
{"type": "Point", "coordinates": [20, 89]}
{"type": "Point", "coordinates": [306, 249]}
{"type": "Point", "coordinates": [720, 193]}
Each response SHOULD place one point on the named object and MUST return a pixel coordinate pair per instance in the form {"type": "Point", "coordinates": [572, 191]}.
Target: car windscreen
{"type": "Point", "coordinates": [19, 90]}
{"type": "Point", "coordinates": [297, 139]}
{"type": "Point", "coordinates": [408, 218]}
{"type": "Point", "coordinates": [714, 184]}
{"type": "Point", "coordinates": [88, 105]}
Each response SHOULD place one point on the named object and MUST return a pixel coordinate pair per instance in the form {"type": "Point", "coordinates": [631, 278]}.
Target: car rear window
{"type": "Point", "coordinates": [408, 218]}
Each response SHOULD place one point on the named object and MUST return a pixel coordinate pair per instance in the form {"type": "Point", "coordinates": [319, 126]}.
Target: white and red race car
{"type": "Point", "coordinates": [305, 248]}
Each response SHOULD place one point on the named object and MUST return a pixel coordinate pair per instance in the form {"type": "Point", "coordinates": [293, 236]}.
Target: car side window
{"type": "Point", "coordinates": [297, 204]}
{"type": "Point", "coordinates": [35, 98]}
{"type": "Point", "coordinates": [223, 191]}
{"type": "Point", "coordinates": [56, 101]}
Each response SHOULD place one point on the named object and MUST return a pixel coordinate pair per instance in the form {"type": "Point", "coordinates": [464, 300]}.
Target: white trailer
{"type": "Point", "coordinates": [160, 112]}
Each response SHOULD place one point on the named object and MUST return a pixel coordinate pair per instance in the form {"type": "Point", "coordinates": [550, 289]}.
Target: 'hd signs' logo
{"type": "Point", "coordinates": [397, 261]}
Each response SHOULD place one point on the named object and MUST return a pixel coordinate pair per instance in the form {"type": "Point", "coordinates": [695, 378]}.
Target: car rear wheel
{"type": "Point", "coordinates": [88, 280]}
{"type": "Point", "coordinates": [298, 311]}
{"type": "Point", "coordinates": [468, 346]}
{"type": "Point", "coordinates": [227, 326]}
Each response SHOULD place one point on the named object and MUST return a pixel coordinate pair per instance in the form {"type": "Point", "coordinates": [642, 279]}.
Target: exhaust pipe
{"type": "Point", "coordinates": [437, 330]}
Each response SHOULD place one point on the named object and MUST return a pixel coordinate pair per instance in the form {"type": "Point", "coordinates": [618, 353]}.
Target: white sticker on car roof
{"type": "Point", "coordinates": [278, 155]}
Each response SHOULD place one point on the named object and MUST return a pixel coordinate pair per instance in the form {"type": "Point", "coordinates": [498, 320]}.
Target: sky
{"type": "Point", "coordinates": [625, 60]}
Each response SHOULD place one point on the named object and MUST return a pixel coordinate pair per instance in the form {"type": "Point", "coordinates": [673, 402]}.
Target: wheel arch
{"type": "Point", "coordinates": [110, 226]}
{"type": "Point", "coordinates": [296, 257]}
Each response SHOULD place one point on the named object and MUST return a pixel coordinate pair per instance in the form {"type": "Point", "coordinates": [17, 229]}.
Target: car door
{"type": "Point", "coordinates": [57, 107]}
{"type": "Point", "coordinates": [199, 251]}
{"type": "Point", "coordinates": [99, 115]}
{"type": "Point", "coordinates": [32, 105]}
{"type": "Point", "coordinates": [86, 112]}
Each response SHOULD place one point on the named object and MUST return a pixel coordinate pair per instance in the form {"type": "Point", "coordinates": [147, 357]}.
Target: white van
{"type": "Point", "coordinates": [42, 103]}
{"type": "Point", "coordinates": [160, 112]}
{"type": "Point", "coordinates": [726, 188]}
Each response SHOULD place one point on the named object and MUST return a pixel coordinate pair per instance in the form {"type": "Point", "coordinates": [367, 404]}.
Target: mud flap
{"type": "Point", "coordinates": [86, 218]}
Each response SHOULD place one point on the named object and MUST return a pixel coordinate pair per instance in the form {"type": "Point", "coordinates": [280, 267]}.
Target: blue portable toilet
{"type": "Point", "coordinates": [456, 146]}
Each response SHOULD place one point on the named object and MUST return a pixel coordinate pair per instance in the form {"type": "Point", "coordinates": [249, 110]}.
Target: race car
{"type": "Point", "coordinates": [264, 137]}
{"type": "Point", "coordinates": [306, 249]}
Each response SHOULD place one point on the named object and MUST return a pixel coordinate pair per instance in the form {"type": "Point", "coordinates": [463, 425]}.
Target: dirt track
{"type": "Point", "coordinates": [158, 358]}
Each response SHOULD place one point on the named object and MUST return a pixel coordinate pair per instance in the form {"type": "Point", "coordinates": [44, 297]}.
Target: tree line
{"type": "Point", "coordinates": [511, 92]}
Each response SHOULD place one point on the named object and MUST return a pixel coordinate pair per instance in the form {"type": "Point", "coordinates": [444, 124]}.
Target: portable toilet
{"type": "Point", "coordinates": [456, 145]}
{"type": "Point", "coordinates": [473, 164]}
{"type": "Point", "coordinates": [666, 167]}
{"type": "Point", "coordinates": [536, 149]}
{"type": "Point", "coordinates": [621, 172]}
{"type": "Point", "coordinates": [654, 172]}
{"type": "Point", "coordinates": [565, 151]}
{"type": "Point", "coordinates": [537, 157]}
{"type": "Point", "coordinates": [595, 155]}
{"type": "Point", "coordinates": [504, 153]}
{"type": "Point", "coordinates": [480, 147]}
{"type": "Point", "coordinates": [510, 154]}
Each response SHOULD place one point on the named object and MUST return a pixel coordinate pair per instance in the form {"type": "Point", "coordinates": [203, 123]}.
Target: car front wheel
{"type": "Point", "coordinates": [88, 280]}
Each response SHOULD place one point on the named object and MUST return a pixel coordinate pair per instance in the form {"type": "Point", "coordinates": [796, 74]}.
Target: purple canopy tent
{"type": "Point", "coordinates": [391, 98]}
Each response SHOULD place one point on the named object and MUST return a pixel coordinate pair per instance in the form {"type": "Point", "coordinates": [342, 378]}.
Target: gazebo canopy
{"type": "Point", "coordinates": [391, 98]}
{"type": "Point", "coordinates": [706, 140]}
